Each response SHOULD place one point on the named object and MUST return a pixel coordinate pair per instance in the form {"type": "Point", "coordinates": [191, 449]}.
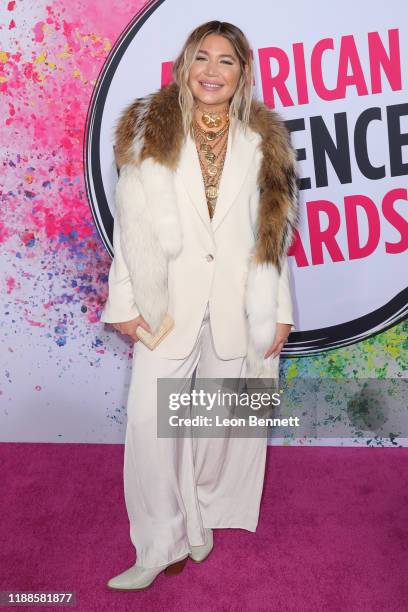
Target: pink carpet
{"type": "Point", "coordinates": [333, 533]}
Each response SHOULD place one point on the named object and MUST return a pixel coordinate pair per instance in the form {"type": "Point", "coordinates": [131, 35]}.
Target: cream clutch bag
{"type": "Point", "coordinates": [152, 340]}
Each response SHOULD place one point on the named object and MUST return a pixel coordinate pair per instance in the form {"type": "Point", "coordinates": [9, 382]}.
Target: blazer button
{"type": "Point", "coordinates": [209, 257]}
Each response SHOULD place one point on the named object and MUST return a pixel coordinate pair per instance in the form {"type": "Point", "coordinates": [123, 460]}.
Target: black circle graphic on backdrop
{"type": "Point", "coordinates": [300, 344]}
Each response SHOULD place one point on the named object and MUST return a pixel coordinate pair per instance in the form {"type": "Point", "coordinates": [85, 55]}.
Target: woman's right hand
{"type": "Point", "coordinates": [129, 327]}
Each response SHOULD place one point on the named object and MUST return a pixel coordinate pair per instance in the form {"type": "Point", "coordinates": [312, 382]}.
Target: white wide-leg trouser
{"type": "Point", "coordinates": [174, 487]}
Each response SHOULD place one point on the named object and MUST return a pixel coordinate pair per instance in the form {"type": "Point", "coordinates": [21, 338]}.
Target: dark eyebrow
{"type": "Point", "coordinates": [221, 54]}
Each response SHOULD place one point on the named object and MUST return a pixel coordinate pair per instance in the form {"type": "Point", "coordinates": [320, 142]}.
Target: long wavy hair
{"type": "Point", "coordinates": [240, 103]}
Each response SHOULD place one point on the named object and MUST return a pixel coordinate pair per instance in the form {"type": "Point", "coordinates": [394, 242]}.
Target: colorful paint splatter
{"type": "Point", "coordinates": [50, 58]}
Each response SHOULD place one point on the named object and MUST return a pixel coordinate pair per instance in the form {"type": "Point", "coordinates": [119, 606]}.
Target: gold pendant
{"type": "Point", "coordinates": [205, 147]}
{"type": "Point", "coordinates": [211, 192]}
{"type": "Point", "coordinates": [210, 135]}
{"type": "Point", "coordinates": [210, 157]}
{"type": "Point", "coordinates": [212, 170]}
{"type": "Point", "coordinates": [211, 120]}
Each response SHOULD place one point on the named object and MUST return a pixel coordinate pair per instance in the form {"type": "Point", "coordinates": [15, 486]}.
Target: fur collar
{"type": "Point", "coordinates": [155, 121]}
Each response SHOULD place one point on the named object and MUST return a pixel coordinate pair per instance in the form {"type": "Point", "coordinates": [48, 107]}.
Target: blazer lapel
{"type": "Point", "coordinates": [240, 152]}
{"type": "Point", "coordinates": [189, 171]}
{"type": "Point", "coordinates": [237, 161]}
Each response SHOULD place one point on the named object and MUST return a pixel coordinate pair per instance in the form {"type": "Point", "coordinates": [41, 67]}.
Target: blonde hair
{"type": "Point", "coordinates": [240, 104]}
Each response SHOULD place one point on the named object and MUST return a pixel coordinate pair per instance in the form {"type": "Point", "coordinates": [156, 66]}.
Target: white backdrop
{"type": "Point", "coordinates": [331, 292]}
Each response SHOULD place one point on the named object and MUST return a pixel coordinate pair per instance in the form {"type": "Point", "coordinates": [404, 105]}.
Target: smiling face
{"type": "Point", "coordinates": [215, 72]}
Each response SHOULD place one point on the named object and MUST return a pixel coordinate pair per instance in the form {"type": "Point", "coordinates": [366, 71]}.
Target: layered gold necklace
{"type": "Point", "coordinates": [212, 147]}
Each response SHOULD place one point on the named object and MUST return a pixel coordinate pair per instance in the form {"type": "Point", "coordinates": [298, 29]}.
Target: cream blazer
{"type": "Point", "coordinates": [212, 266]}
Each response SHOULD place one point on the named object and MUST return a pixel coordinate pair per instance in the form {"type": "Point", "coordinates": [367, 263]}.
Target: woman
{"type": "Point", "coordinates": [206, 205]}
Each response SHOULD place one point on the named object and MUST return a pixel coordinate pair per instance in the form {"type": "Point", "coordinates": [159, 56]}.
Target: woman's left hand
{"type": "Point", "coordinates": [281, 335]}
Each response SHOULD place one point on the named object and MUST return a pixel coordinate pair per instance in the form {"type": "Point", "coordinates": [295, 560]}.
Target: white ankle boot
{"type": "Point", "coordinates": [137, 577]}
{"type": "Point", "coordinates": [199, 553]}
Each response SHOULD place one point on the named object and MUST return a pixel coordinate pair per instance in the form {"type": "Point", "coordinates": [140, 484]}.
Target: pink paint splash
{"type": "Point", "coordinates": [10, 284]}
{"type": "Point", "coordinates": [46, 82]}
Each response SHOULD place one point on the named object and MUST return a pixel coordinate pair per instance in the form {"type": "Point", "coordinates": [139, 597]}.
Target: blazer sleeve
{"type": "Point", "coordinates": [285, 307]}
{"type": "Point", "coordinates": [120, 305]}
